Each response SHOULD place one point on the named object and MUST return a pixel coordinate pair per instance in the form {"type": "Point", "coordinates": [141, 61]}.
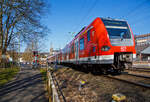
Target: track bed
{"type": "Point", "coordinates": [97, 87]}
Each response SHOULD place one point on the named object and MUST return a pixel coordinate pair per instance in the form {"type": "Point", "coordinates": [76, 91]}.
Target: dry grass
{"type": "Point", "coordinates": [43, 72]}
{"type": "Point", "coordinates": [6, 74]}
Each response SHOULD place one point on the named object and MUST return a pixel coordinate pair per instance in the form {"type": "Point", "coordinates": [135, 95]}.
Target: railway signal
{"type": "Point", "coordinates": [35, 59]}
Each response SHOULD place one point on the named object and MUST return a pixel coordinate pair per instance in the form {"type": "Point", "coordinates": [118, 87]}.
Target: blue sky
{"type": "Point", "coordinates": [67, 17]}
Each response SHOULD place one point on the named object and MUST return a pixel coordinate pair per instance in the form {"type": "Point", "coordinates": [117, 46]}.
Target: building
{"type": "Point", "coordinates": [43, 57]}
{"type": "Point", "coordinates": [53, 52]}
{"type": "Point", "coordinates": [143, 47]}
{"type": "Point", "coordinates": [10, 56]}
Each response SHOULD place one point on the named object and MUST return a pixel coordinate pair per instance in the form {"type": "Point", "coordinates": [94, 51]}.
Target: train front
{"type": "Point", "coordinates": [122, 44]}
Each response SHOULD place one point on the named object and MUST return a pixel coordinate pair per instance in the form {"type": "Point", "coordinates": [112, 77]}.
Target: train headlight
{"type": "Point", "coordinates": [105, 48]}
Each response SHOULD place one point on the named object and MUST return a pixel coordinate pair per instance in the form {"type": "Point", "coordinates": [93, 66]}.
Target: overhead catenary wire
{"type": "Point", "coordinates": [136, 8]}
{"type": "Point", "coordinates": [92, 6]}
{"type": "Point", "coordinates": [142, 18]}
{"type": "Point", "coordinates": [83, 6]}
{"type": "Point", "coordinates": [86, 15]}
{"type": "Point", "coordinates": [137, 17]}
{"type": "Point", "coordinates": [72, 33]}
{"type": "Point", "coordinates": [89, 12]}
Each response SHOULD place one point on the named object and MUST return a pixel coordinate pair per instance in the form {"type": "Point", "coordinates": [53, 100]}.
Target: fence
{"type": "Point", "coordinates": [52, 92]}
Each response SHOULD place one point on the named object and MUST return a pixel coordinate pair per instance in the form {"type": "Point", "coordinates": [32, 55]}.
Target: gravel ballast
{"type": "Point", "coordinates": [97, 88]}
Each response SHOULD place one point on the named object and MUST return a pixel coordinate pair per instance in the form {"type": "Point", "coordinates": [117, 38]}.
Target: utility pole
{"type": "Point", "coordinates": [51, 49]}
{"type": "Point", "coordinates": [19, 47]}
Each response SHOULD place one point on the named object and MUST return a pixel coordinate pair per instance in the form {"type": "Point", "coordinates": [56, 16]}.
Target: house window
{"type": "Point", "coordinates": [82, 44]}
{"type": "Point", "coordinates": [88, 35]}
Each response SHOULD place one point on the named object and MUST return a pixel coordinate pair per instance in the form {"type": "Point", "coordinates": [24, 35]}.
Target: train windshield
{"type": "Point", "coordinates": [117, 29]}
{"type": "Point", "coordinates": [118, 33]}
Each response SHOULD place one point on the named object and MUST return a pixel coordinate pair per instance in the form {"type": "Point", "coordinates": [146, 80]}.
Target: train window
{"type": "Point", "coordinates": [119, 33]}
{"type": "Point", "coordinates": [72, 49]}
{"type": "Point", "coordinates": [82, 44]}
{"type": "Point", "coordinates": [69, 50]}
{"type": "Point", "coordinates": [94, 49]}
{"type": "Point", "coordinates": [88, 35]}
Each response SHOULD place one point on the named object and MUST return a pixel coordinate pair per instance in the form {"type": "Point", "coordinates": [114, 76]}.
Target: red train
{"type": "Point", "coordinates": [106, 44]}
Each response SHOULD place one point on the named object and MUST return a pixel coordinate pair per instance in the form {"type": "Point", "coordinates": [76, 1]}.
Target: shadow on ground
{"type": "Point", "coordinates": [28, 87]}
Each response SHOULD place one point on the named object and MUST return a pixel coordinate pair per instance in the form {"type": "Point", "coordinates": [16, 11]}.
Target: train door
{"type": "Point", "coordinates": [76, 50]}
{"type": "Point", "coordinates": [67, 53]}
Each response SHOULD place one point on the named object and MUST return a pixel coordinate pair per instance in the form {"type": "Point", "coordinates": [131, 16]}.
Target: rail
{"type": "Point", "coordinates": [130, 82]}
{"type": "Point", "coordinates": [142, 76]}
{"type": "Point", "coordinates": [138, 70]}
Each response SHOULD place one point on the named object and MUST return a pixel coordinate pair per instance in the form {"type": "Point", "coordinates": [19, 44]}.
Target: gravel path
{"type": "Point", "coordinates": [26, 87]}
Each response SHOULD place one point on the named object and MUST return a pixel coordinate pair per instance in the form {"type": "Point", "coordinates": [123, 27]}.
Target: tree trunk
{"type": "Point", "coordinates": [3, 58]}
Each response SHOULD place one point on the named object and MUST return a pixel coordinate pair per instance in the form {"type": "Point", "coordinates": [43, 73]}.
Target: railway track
{"type": "Point", "coordinates": [97, 86]}
{"type": "Point", "coordinates": [139, 70]}
{"type": "Point", "coordinates": [138, 80]}
{"type": "Point", "coordinates": [142, 76]}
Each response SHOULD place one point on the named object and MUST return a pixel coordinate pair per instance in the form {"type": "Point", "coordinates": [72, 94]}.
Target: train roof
{"type": "Point", "coordinates": [143, 35]}
{"type": "Point", "coordinates": [81, 31]}
{"type": "Point", "coordinates": [84, 28]}
{"type": "Point", "coordinates": [112, 19]}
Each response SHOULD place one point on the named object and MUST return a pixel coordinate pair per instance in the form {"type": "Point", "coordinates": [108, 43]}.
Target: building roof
{"type": "Point", "coordinates": [146, 51]}
{"type": "Point", "coordinates": [143, 35]}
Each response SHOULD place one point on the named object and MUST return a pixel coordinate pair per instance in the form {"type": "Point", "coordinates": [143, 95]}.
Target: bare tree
{"type": "Point", "coordinates": [28, 54]}
{"type": "Point", "coordinates": [21, 19]}
{"type": "Point", "coordinates": [13, 51]}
